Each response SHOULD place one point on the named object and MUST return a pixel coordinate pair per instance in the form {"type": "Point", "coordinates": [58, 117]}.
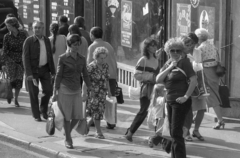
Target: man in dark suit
{"type": "Point", "coordinates": [38, 65]}
{"type": "Point", "coordinates": [63, 23]}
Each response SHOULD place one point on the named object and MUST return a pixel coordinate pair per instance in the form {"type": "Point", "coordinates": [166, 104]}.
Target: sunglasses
{"type": "Point", "coordinates": [177, 51]}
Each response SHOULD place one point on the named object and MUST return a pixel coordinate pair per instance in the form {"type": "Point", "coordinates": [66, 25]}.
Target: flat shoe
{"type": "Point", "coordinates": [16, 104]}
{"type": "Point", "coordinates": [69, 146]}
{"type": "Point", "coordinates": [99, 136]}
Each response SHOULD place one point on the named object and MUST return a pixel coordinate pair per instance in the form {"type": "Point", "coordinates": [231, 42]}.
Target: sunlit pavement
{"type": "Point", "coordinates": [19, 123]}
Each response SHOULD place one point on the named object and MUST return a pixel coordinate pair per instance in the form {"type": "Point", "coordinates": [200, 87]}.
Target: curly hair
{"type": "Point", "coordinates": [174, 42]}
{"type": "Point", "coordinates": [146, 43]}
{"type": "Point", "coordinates": [12, 21]}
{"type": "Point", "coordinates": [98, 51]}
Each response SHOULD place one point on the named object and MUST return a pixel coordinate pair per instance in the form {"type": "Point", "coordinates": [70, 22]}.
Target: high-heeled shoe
{"type": "Point", "coordinates": [197, 135]}
{"type": "Point", "coordinates": [219, 125]}
{"type": "Point", "coordinates": [68, 145]}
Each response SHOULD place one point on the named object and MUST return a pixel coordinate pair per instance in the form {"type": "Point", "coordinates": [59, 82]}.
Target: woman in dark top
{"type": "Point", "coordinates": [175, 74]}
{"type": "Point", "coordinates": [147, 64]}
{"type": "Point", "coordinates": [12, 55]}
{"type": "Point", "coordinates": [67, 86]}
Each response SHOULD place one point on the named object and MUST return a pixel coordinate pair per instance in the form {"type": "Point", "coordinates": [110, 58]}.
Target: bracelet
{"type": "Point", "coordinates": [185, 96]}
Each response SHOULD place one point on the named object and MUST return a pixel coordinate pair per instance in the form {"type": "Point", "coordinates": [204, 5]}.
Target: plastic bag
{"type": "Point", "coordinates": [110, 113]}
{"type": "Point", "coordinates": [58, 120]}
{"type": "Point", "coordinates": [134, 93]}
{"type": "Point", "coordinates": [151, 121]}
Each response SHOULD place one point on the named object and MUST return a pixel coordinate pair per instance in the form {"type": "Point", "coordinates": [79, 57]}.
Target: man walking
{"type": "Point", "coordinates": [38, 65]}
{"type": "Point", "coordinates": [96, 34]}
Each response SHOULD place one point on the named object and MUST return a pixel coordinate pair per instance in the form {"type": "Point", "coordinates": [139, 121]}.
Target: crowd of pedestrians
{"type": "Point", "coordinates": [76, 67]}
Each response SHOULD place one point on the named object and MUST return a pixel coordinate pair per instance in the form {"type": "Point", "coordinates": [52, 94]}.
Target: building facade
{"type": "Point", "coordinates": [126, 23]}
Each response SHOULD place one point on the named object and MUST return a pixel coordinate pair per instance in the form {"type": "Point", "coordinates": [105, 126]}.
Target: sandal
{"type": "Point", "coordinates": [197, 135]}
{"type": "Point", "coordinates": [99, 136]}
{"type": "Point", "coordinates": [188, 138]}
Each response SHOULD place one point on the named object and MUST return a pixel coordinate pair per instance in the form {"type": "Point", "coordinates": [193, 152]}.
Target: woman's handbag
{"type": "Point", "coordinates": [224, 95]}
{"type": "Point", "coordinates": [119, 94]}
{"type": "Point", "coordinates": [5, 86]}
{"type": "Point", "coordinates": [220, 70]}
{"type": "Point", "coordinates": [82, 127]}
{"type": "Point", "coordinates": [50, 126]}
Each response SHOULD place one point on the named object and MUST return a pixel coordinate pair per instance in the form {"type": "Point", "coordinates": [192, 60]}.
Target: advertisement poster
{"type": "Point", "coordinates": [126, 23]}
{"type": "Point", "coordinates": [207, 19]}
{"type": "Point", "coordinates": [183, 19]}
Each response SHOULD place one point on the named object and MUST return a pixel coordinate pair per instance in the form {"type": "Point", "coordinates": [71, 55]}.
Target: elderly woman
{"type": "Point", "coordinates": [147, 64]}
{"type": "Point", "coordinates": [210, 60]}
{"type": "Point", "coordinates": [175, 75]}
{"type": "Point", "coordinates": [198, 105]}
{"type": "Point", "coordinates": [67, 86]}
{"type": "Point", "coordinates": [12, 55]}
{"type": "Point", "coordinates": [98, 71]}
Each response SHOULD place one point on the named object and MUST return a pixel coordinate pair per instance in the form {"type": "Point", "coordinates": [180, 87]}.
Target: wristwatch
{"type": "Point", "coordinates": [185, 96]}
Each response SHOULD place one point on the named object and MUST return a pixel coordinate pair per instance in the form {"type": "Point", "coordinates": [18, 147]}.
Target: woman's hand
{"type": "Point", "coordinates": [109, 95]}
{"type": "Point", "coordinates": [181, 100]}
{"type": "Point", "coordinates": [173, 64]}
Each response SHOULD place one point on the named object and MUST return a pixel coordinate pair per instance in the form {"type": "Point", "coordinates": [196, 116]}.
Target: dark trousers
{"type": "Point", "coordinates": [47, 89]}
{"type": "Point", "coordinates": [176, 115]}
{"type": "Point", "coordinates": [141, 115]}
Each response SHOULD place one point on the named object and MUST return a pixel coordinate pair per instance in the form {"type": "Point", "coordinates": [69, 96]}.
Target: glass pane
{"type": "Point", "coordinates": [62, 7]}
{"type": "Point", "coordinates": [88, 13]}
{"type": "Point", "coordinates": [191, 15]}
{"type": "Point", "coordinates": [128, 23]}
{"type": "Point", "coordinates": [30, 11]}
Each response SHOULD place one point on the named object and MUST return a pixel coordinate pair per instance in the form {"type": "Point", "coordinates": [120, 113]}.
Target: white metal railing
{"type": "Point", "coordinates": [125, 75]}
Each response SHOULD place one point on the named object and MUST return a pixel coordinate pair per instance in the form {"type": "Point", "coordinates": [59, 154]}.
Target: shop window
{"type": "Point", "coordinates": [88, 14]}
{"type": "Point", "coordinates": [127, 23]}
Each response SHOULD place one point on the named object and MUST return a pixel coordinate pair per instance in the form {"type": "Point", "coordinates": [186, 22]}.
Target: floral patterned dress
{"type": "Point", "coordinates": [12, 57]}
{"type": "Point", "coordinates": [98, 78]}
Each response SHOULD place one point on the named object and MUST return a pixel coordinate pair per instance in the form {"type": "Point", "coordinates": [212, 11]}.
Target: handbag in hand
{"type": "Point", "coordinates": [224, 95]}
{"type": "Point", "coordinates": [220, 70]}
{"type": "Point", "coordinates": [5, 86]}
{"type": "Point", "coordinates": [50, 126]}
{"type": "Point", "coordinates": [119, 94]}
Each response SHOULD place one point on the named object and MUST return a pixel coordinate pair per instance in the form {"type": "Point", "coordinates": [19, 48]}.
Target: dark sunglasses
{"type": "Point", "coordinates": [178, 51]}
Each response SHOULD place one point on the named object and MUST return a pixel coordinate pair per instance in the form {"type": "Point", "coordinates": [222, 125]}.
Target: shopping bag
{"type": "Point", "coordinates": [110, 113]}
{"type": "Point", "coordinates": [50, 125]}
{"type": "Point", "coordinates": [82, 127]}
{"type": "Point", "coordinates": [134, 93]}
{"type": "Point", "coordinates": [151, 121]}
{"type": "Point", "coordinates": [59, 119]}
{"type": "Point", "coordinates": [5, 86]}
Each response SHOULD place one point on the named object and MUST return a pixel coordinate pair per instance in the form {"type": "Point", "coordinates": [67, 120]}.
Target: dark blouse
{"type": "Point", "coordinates": [176, 82]}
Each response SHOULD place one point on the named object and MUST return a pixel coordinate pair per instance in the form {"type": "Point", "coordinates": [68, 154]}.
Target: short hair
{"type": "Point", "coordinates": [72, 39]}
{"type": "Point", "coordinates": [63, 19]}
{"type": "Point", "coordinates": [10, 15]}
{"type": "Point", "coordinates": [202, 34]}
{"type": "Point", "coordinates": [80, 21]}
{"type": "Point", "coordinates": [74, 28]}
{"type": "Point", "coordinates": [38, 22]}
{"type": "Point", "coordinates": [97, 32]}
{"type": "Point", "coordinates": [174, 42]}
{"type": "Point", "coordinates": [193, 36]}
{"type": "Point", "coordinates": [12, 21]}
{"type": "Point", "coordinates": [98, 51]}
{"type": "Point", "coordinates": [146, 43]}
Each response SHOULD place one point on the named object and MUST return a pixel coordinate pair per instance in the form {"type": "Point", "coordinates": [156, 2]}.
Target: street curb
{"type": "Point", "coordinates": [213, 118]}
{"type": "Point", "coordinates": [33, 147]}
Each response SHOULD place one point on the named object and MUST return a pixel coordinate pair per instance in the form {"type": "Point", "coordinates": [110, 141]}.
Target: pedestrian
{"type": "Point", "coordinates": [198, 104]}
{"type": "Point", "coordinates": [83, 48]}
{"type": "Point", "coordinates": [12, 55]}
{"type": "Point", "coordinates": [39, 67]}
{"type": "Point", "coordinates": [95, 97]}
{"type": "Point", "coordinates": [67, 87]}
{"type": "Point", "coordinates": [157, 106]}
{"type": "Point", "coordinates": [63, 23]}
{"type": "Point", "coordinates": [58, 43]}
{"type": "Point", "coordinates": [178, 92]}
{"type": "Point", "coordinates": [147, 63]}
{"type": "Point", "coordinates": [96, 35]}
{"type": "Point", "coordinates": [210, 60]}
{"type": "Point", "coordinates": [80, 21]}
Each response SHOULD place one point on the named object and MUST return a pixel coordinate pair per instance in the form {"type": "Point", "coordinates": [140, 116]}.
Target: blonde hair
{"type": "Point", "coordinates": [98, 51]}
{"type": "Point", "coordinates": [202, 34]}
{"type": "Point", "coordinates": [158, 91]}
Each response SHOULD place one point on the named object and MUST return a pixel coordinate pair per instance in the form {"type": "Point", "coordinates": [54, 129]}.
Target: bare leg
{"type": "Point", "coordinates": [198, 119]}
{"type": "Point", "coordinates": [218, 113]}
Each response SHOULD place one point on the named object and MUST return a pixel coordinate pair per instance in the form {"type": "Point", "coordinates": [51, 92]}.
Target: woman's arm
{"type": "Point", "coordinates": [163, 74]}
{"type": "Point", "coordinates": [59, 76]}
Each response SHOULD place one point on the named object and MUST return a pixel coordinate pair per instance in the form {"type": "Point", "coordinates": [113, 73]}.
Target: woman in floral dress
{"type": "Point", "coordinates": [12, 55]}
{"type": "Point", "coordinates": [96, 96]}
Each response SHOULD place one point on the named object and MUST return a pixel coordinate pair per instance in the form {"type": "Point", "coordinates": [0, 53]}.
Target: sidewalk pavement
{"type": "Point", "coordinates": [18, 127]}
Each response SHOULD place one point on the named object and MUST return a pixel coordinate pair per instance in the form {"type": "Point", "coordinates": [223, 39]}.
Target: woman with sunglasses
{"type": "Point", "coordinates": [148, 64]}
{"type": "Point", "coordinates": [67, 87]}
{"type": "Point", "coordinates": [175, 74]}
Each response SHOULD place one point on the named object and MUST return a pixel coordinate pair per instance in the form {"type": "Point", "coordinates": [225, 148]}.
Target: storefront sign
{"type": "Point", "coordinates": [183, 19]}
{"type": "Point", "coordinates": [195, 3]}
{"type": "Point", "coordinates": [126, 23]}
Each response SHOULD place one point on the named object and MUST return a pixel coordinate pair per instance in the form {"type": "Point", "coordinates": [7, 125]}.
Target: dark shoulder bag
{"type": "Point", "coordinates": [50, 126]}
{"type": "Point", "coordinates": [119, 94]}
